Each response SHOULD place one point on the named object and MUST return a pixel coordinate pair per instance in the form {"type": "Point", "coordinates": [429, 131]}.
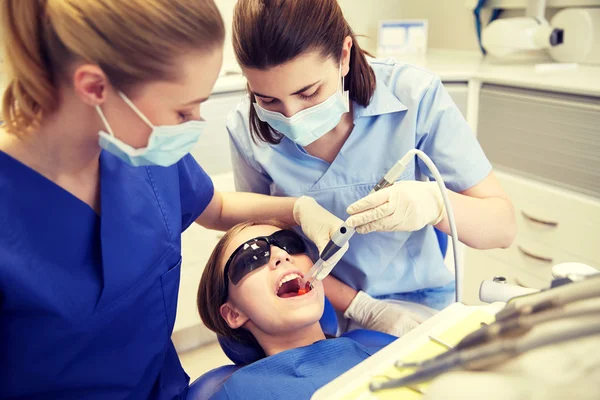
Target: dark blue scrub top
{"type": "Point", "coordinates": [88, 302]}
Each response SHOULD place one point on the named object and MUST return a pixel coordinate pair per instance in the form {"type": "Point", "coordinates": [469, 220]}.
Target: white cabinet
{"type": "Point", "coordinates": [458, 92]}
{"type": "Point", "coordinates": [545, 148]}
{"type": "Point", "coordinates": [550, 137]}
{"type": "Point", "coordinates": [554, 226]}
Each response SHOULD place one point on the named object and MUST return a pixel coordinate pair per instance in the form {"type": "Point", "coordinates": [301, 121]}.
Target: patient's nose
{"type": "Point", "coordinates": [279, 256]}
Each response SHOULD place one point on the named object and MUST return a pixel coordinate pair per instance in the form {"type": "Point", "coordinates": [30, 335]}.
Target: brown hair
{"type": "Point", "coordinates": [212, 289]}
{"type": "Point", "coordinates": [267, 33]}
{"type": "Point", "coordinates": [131, 40]}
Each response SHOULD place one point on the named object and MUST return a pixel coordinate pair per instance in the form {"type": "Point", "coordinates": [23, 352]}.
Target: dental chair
{"type": "Point", "coordinates": [242, 354]}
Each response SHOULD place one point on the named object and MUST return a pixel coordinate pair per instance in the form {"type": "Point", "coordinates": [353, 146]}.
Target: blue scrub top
{"type": "Point", "coordinates": [296, 373]}
{"type": "Point", "coordinates": [409, 109]}
{"type": "Point", "coordinates": [88, 301]}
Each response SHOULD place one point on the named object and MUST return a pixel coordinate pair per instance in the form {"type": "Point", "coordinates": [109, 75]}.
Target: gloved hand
{"type": "Point", "coordinates": [318, 225]}
{"type": "Point", "coordinates": [405, 206]}
{"type": "Point", "coordinates": [379, 315]}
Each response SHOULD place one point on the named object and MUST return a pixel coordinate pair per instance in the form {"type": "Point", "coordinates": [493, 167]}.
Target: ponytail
{"type": "Point", "coordinates": [360, 80]}
{"type": "Point", "coordinates": [30, 91]}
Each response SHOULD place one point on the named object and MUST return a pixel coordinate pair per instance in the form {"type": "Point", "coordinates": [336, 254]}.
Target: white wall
{"type": "Point", "coordinates": [451, 24]}
{"type": "Point", "coordinates": [226, 8]}
{"type": "Point", "coordinates": [364, 16]}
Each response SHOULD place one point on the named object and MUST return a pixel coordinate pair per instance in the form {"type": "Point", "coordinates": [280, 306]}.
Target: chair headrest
{"type": "Point", "coordinates": [248, 350]}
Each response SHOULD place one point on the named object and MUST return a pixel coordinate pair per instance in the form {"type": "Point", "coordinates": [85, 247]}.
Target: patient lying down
{"type": "Point", "coordinates": [251, 291]}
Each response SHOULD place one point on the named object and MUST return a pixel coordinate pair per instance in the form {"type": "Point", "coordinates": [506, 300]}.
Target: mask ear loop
{"type": "Point", "coordinates": [135, 109]}
{"type": "Point", "coordinates": [340, 78]}
{"type": "Point", "coordinates": [105, 121]}
{"type": "Point", "coordinates": [346, 98]}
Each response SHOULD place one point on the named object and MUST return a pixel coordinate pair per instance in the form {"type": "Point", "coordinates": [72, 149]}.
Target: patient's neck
{"type": "Point", "coordinates": [273, 344]}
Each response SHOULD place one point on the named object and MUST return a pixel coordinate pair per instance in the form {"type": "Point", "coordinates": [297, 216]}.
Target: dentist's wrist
{"type": "Point", "coordinates": [359, 309]}
{"type": "Point", "coordinates": [339, 294]}
{"type": "Point", "coordinates": [296, 209]}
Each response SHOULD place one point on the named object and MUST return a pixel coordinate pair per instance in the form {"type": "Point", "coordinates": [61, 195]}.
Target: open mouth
{"type": "Point", "coordinates": [290, 286]}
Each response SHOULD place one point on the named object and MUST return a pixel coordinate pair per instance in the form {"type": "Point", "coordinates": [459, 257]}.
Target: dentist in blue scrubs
{"type": "Point", "coordinates": [96, 186]}
{"type": "Point", "coordinates": [323, 120]}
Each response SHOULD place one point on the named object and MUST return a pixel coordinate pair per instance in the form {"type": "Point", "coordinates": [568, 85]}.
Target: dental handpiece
{"type": "Point", "coordinates": [344, 232]}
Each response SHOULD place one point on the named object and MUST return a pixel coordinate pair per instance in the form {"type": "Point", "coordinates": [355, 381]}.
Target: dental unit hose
{"type": "Point", "coordinates": [344, 233]}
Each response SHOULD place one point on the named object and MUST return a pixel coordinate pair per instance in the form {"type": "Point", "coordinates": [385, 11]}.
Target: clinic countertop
{"type": "Point", "coordinates": [461, 66]}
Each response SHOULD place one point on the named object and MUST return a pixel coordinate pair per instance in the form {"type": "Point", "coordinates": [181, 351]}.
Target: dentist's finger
{"type": "Point", "coordinates": [369, 216]}
{"type": "Point", "coordinates": [368, 202]}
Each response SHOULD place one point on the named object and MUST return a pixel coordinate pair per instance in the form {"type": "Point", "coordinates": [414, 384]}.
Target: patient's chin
{"type": "Point", "coordinates": [291, 320]}
{"type": "Point", "coordinates": [304, 316]}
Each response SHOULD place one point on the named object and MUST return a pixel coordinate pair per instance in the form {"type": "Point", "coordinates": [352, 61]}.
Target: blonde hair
{"type": "Point", "coordinates": [132, 41]}
{"type": "Point", "coordinates": [212, 287]}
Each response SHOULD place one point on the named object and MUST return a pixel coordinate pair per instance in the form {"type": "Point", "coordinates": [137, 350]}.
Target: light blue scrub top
{"type": "Point", "coordinates": [410, 109]}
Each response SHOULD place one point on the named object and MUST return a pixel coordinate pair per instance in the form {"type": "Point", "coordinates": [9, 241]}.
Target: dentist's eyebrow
{"type": "Point", "coordinates": [304, 89]}
{"type": "Point", "coordinates": [197, 101]}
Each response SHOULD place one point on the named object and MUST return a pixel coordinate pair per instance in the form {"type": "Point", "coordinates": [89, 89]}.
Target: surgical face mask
{"type": "Point", "coordinates": [310, 124]}
{"type": "Point", "coordinates": [166, 146]}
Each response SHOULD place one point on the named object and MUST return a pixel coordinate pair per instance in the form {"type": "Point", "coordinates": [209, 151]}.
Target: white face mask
{"type": "Point", "coordinates": [166, 146]}
{"type": "Point", "coordinates": [310, 124]}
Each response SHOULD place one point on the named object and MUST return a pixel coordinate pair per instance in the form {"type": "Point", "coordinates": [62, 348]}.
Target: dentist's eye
{"type": "Point", "coordinates": [311, 96]}
{"type": "Point", "coordinates": [265, 101]}
{"type": "Point", "coordinates": [183, 117]}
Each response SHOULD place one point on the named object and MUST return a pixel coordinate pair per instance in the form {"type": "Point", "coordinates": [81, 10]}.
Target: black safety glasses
{"type": "Point", "coordinates": [256, 252]}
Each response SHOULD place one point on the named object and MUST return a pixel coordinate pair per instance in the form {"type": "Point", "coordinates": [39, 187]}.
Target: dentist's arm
{"type": "Point", "coordinates": [339, 294]}
{"type": "Point", "coordinates": [228, 209]}
{"type": "Point", "coordinates": [484, 214]}
{"type": "Point", "coordinates": [370, 313]}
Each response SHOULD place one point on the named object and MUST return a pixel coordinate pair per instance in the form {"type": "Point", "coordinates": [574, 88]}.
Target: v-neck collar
{"type": "Point", "coordinates": [43, 183]}
{"type": "Point", "coordinates": [327, 168]}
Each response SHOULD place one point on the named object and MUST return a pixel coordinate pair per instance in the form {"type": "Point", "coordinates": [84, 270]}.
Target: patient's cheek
{"type": "Point", "coordinates": [304, 263]}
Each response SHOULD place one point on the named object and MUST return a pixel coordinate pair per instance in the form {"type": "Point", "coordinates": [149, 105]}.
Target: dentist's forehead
{"type": "Point", "coordinates": [282, 80]}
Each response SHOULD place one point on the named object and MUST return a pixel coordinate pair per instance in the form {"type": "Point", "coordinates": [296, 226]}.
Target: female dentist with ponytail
{"type": "Point", "coordinates": [321, 120]}
{"type": "Point", "coordinates": [96, 185]}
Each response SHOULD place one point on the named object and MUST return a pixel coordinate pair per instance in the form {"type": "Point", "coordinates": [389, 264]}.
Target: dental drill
{"type": "Point", "coordinates": [344, 232]}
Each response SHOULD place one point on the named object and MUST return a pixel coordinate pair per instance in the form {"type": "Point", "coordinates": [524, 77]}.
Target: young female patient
{"type": "Point", "coordinates": [250, 286]}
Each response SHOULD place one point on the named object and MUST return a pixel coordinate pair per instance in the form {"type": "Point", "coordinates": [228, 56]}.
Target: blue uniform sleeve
{"type": "Point", "coordinates": [196, 190]}
{"type": "Point", "coordinates": [444, 135]}
{"type": "Point", "coordinates": [246, 173]}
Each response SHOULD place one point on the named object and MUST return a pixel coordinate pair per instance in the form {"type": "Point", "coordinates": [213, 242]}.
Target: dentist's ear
{"type": "Point", "coordinates": [234, 317]}
{"type": "Point", "coordinates": [346, 51]}
{"type": "Point", "coordinates": [91, 84]}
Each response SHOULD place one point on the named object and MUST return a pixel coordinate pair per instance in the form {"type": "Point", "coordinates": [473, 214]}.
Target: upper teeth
{"type": "Point", "coordinates": [288, 278]}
